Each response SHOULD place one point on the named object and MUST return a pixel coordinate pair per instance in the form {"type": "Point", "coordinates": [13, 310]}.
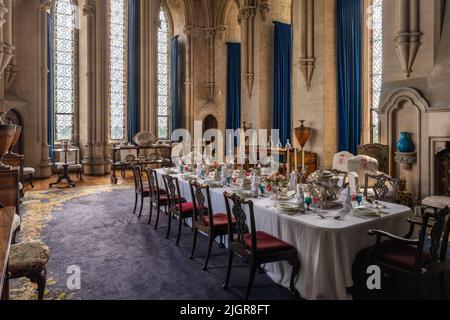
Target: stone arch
{"type": "Point", "coordinates": [210, 122]}
{"type": "Point", "coordinates": [409, 103]}
{"type": "Point", "coordinates": [223, 11]}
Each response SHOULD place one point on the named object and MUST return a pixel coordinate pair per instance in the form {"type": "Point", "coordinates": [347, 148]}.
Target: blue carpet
{"type": "Point", "coordinates": [122, 257]}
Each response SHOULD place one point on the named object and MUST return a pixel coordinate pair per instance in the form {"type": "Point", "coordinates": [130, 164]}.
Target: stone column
{"type": "Point", "coordinates": [92, 94]}
{"type": "Point", "coordinates": [45, 165]}
{"type": "Point", "coordinates": [189, 82]}
{"type": "Point", "coordinates": [6, 40]}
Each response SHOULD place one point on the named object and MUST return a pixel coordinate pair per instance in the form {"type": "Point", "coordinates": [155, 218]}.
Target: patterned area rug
{"type": "Point", "coordinates": [122, 257]}
{"type": "Point", "coordinates": [38, 210]}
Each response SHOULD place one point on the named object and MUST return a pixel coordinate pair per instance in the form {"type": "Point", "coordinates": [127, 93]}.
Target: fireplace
{"type": "Point", "coordinates": [443, 171]}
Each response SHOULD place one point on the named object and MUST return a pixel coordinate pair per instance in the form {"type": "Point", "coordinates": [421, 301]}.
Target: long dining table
{"type": "Point", "coordinates": [327, 248]}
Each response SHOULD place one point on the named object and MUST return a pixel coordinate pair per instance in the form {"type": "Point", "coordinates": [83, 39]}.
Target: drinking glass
{"type": "Point", "coordinates": [262, 189]}
{"type": "Point", "coordinates": [359, 198]}
{"type": "Point", "coordinates": [308, 201]}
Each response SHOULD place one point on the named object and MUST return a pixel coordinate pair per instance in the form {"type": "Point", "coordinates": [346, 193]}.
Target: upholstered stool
{"type": "Point", "coordinates": [29, 172]}
{"type": "Point", "coordinates": [436, 202]}
{"type": "Point", "coordinates": [29, 259]}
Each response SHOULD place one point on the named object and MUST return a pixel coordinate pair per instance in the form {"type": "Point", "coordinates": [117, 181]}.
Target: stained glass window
{"type": "Point", "coordinates": [65, 69]}
{"type": "Point", "coordinates": [377, 67]}
{"type": "Point", "coordinates": [118, 69]}
{"type": "Point", "coordinates": [163, 111]}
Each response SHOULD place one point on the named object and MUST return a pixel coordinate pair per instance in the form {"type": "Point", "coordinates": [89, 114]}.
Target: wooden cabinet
{"type": "Point", "coordinates": [9, 188]}
{"type": "Point", "coordinates": [6, 224]}
{"type": "Point", "coordinates": [310, 161]}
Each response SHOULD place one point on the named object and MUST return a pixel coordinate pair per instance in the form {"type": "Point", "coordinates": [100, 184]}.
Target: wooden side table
{"type": "Point", "coordinates": [65, 166]}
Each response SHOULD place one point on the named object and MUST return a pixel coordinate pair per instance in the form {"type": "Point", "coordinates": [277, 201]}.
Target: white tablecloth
{"type": "Point", "coordinates": [327, 248]}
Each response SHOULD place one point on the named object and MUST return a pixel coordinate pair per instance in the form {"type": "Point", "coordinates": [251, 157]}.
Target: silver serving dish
{"type": "Point", "coordinates": [324, 185]}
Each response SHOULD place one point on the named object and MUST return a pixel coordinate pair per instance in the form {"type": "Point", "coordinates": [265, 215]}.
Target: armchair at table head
{"type": "Point", "coordinates": [358, 167]}
{"type": "Point", "coordinates": [418, 258]}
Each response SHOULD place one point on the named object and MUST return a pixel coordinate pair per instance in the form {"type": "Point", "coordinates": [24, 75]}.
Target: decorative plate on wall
{"type": "Point", "coordinates": [144, 138]}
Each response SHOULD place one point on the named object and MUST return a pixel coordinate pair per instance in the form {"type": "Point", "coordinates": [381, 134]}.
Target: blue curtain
{"type": "Point", "coordinates": [133, 103]}
{"type": "Point", "coordinates": [175, 81]}
{"type": "Point", "coordinates": [349, 55]}
{"type": "Point", "coordinates": [50, 85]}
{"type": "Point", "coordinates": [234, 86]}
{"type": "Point", "coordinates": [282, 113]}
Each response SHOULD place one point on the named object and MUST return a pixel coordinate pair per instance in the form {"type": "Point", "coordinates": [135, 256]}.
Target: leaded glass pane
{"type": "Point", "coordinates": [65, 80]}
{"type": "Point", "coordinates": [163, 77]}
{"type": "Point", "coordinates": [117, 67]}
{"type": "Point", "coordinates": [377, 66]}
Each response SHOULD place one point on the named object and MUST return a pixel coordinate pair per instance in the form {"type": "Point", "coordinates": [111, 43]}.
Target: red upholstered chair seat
{"type": "Point", "coordinates": [220, 220]}
{"type": "Point", "coordinates": [266, 243]}
{"type": "Point", "coordinates": [164, 199]}
{"type": "Point", "coordinates": [187, 208]}
{"type": "Point", "coordinates": [400, 255]}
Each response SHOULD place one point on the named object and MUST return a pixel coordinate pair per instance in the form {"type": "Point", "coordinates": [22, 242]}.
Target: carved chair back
{"type": "Point", "coordinates": [439, 235]}
{"type": "Point", "coordinates": [153, 183]}
{"type": "Point", "coordinates": [137, 175]}
{"type": "Point", "coordinates": [235, 209]}
{"type": "Point", "coordinates": [172, 186]}
{"type": "Point", "coordinates": [383, 186]}
{"type": "Point", "coordinates": [201, 198]}
{"type": "Point", "coordinates": [379, 152]}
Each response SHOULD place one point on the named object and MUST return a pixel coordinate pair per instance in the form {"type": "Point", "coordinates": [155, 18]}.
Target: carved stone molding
{"type": "Point", "coordinates": [46, 5]}
{"type": "Point", "coordinates": [10, 75]}
{"type": "Point", "coordinates": [188, 30]}
{"type": "Point", "coordinates": [247, 17]}
{"type": "Point", "coordinates": [264, 7]}
{"type": "Point", "coordinates": [406, 160]}
{"type": "Point", "coordinates": [89, 10]}
{"type": "Point", "coordinates": [222, 30]}
{"type": "Point", "coordinates": [307, 60]}
{"type": "Point", "coordinates": [3, 12]}
{"type": "Point", "coordinates": [408, 36]}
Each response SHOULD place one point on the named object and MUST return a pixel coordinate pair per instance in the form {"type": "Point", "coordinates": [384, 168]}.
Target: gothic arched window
{"type": "Point", "coordinates": [163, 110]}
{"type": "Point", "coordinates": [65, 69]}
{"type": "Point", "coordinates": [376, 59]}
{"type": "Point", "coordinates": [118, 69]}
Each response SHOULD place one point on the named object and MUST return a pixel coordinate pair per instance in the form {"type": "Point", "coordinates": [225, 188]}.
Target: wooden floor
{"type": "Point", "coordinates": [88, 181]}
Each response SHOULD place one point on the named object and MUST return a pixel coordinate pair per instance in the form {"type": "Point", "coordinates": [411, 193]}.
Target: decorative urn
{"type": "Point", "coordinates": [15, 139]}
{"type": "Point", "coordinates": [405, 144]}
{"type": "Point", "coordinates": [302, 134]}
{"type": "Point", "coordinates": [7, 134]}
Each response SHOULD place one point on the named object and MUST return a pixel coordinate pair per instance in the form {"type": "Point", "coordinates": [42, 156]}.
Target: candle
{"type": "Point", "coordinates": [296, 163]}
{"type": "Point", "coordinates": [303, 159]}
{"type": "Point", "coordinates": [288, 162]}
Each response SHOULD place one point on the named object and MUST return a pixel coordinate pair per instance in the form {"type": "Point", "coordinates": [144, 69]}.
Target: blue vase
{"type": "Point", "coordinates": [405, 144]}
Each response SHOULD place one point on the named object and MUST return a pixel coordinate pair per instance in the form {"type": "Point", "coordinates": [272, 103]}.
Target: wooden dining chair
{"type": "Point", "coordinates": [410, 256]}
{"type": "Point", "coordinates": [141, 191]}
{"type": "Point", "coordinates": [381, 186]}
{"type": "Point", "coordinates": [176, 206]}
{"type": "Point", "coordinates": [205, 221]}
{"type": "Point", "coordinates": [158, 196]}
{"type": "Point", "coordinates": [256, 247]}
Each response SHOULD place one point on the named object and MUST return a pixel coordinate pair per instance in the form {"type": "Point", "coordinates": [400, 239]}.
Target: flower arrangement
{"type": "Point", "coordinates": [278, 181]}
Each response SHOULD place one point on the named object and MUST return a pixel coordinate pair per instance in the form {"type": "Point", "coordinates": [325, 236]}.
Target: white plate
{"type": "Point", "coordinates": [144, 138]}
{"type": "Point", "coordinates": [287, 207]}
{"type": "Point", "coordinates": [244, 194]}
{"type": "Point", "coordinates": [367, 211]}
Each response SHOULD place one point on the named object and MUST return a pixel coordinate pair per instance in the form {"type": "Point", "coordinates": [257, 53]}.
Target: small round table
{"type": "Point", "coordinates": [65, 166]}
